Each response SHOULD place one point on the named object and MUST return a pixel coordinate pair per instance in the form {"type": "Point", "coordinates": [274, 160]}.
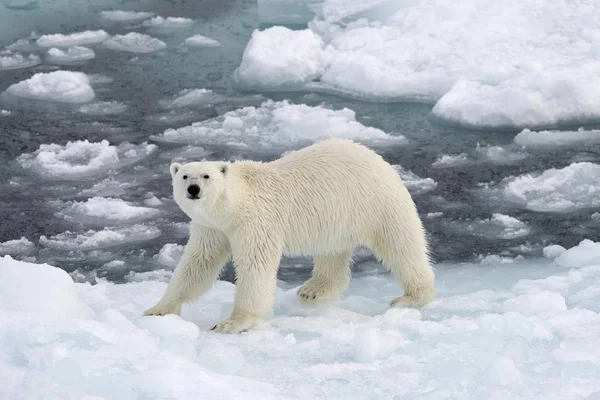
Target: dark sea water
{"type": "Point", "coordinates": [28, 202]}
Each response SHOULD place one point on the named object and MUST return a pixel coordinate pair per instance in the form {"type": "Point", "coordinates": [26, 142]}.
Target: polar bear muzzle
{"type": "Point", "coordinates": [193, 191]}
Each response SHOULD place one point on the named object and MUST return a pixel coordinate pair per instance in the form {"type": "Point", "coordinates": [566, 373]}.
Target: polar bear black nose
{"type": "Point", "coordinates": [193, 190]}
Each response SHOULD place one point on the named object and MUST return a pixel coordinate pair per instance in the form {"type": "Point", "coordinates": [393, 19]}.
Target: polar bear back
{"type": "Point", "coordinates": [328, 197]}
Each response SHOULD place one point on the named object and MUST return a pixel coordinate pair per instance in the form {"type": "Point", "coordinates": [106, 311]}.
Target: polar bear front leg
{"type": "Point", "coordinates": [205, 254]}
{"type": "Point", "coordinates": [256, 265]}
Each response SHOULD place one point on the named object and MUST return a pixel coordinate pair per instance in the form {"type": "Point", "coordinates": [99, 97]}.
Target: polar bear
{"type": "Point", "coordinates": [323, 201]}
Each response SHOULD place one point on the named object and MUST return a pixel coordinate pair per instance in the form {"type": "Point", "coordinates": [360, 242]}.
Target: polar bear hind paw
{"type": "Point", "coordinates": [161, 310]}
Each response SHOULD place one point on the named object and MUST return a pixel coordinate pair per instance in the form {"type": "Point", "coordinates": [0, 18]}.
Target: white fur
{"type": "Point", "coordinates": [323, 200]}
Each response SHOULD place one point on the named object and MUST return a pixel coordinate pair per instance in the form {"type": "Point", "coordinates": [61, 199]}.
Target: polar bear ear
{"type": "Point", "coordinates": [174, 168]}
{"type": "Point", "coordinates": [224, 169]}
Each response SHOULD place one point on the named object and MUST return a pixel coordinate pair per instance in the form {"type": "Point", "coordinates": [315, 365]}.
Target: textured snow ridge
{"type": "Point", "coordinates": [499, 331]}
{"type": "Point", "coordinates": [486, 64]}
{"type": "Point", "coordinates": [571, 188]}
{"type": "Point", "coordinates": [134, 42]}
{"type": "Point", "coordinates": [58, 86]}
{"type": "Point", "coordinates": [278, 124]}
{"type": "Point", "coordinates": [73, 39]}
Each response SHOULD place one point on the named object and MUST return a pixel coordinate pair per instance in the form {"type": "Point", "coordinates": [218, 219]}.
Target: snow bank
{"type": "Point", "coordinates": [414, 183]}
{"type": "Point", "coordinates": [504, 64]}
{"type": "Point", "coordinates": [168, 23]}
{"type": "Point", "coordinates": [59, 86]}
{"type": "Point", "coordinates": [125, 16]}
{"type": "Point", "coordinates": [278, 124]}
{"type": "Point", "coordinates": [134, 42]}
{"type": "Point", "coordinates": [201, 41]}
{"type": "Point", "coordinates": [93, 240]}
{"type": "Point", "coordinates": [557, 138]}
{"type": "Point", "coordinates": [487, 334]}
{"type": "Point", "coordinates": [105, 211]}
{"type": "Point", "coordinates": [17, 247]}
{"type": "Point", "coordinates": [74, 39]}
{"type": "Point", "coordinates": [82, 159]}
{"type": "Point", "coordinates": [12, 60]}
{"type": "Point", "coordinates": [574, 187]}
{"type": "Point", "coordinates": [73, 54]}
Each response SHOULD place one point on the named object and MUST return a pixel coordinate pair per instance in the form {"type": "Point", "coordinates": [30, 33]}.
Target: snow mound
{"type": "Point", "coordinates": [482, 336]}
{"type": "Point", "coordinates": [103, 108]}
{"type": "Point", "coordinates": [557, 138]}
{"type": "Point", "coordinates": [12, 60]}
{"type": "Point", "coordinates": [74, 39]}
{"type": "Point", "coordinates": [134, 42]}
{"type": "Point", "coordinates": [201, 41]}
{"type": "Point", "coordinates": [278, 124]}
{"type": "Point", "coordinates": [574, 187]}
{"type": "Point", "coordinates": [105, 211]}
{"type": "Point", "coordinates": [168, 23]}
{"type": "Point", "coordinates": [17, 247]}
{"type": "Point", "coordinates": [39, 290]}
{"type": "Point", "coordinates": [414, 183]}
{"type": "Point", "coordinates": [500, 226]}
{"type": "Point", "coordinates": [125, 16]}
{"type": "Point", "coordinates": [93, 240]}
{"type": "Point", "coordinates": [59, 86]}
{"type": "Point", "coordinates": [82, 159]}
{"type": "Point", "coordinates": [73, 54]}
{"type": "Point", "coordinates": [279, 56]}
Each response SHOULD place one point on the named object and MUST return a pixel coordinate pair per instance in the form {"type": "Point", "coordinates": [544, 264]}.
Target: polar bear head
{"type": "Point", "coordinates": [197, 186]}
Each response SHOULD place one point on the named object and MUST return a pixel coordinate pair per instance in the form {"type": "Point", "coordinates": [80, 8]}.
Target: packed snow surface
{"type": "Point", "coordinates": [201, 41]}
{"type": "Point", "coordinates": [488, 64]}
{"type": "Point", "coordinates": [12, 60]}
{"type": "Point", "coordinates": [278, 124]}
{"type": "Point", "coordinates": [58, 86]}
{"type": "Point", "coordinates": [72, 54]}
{"type": "Point", "coordinates": [73, 39]}
{"type": "Point", "coordinates": [521, 330]}
{"type": "Point", "coordinates": [134, 42]}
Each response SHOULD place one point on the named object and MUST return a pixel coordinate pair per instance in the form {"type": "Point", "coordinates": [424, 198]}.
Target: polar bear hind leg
{"type": "Point", "coordinates": [330, 277]}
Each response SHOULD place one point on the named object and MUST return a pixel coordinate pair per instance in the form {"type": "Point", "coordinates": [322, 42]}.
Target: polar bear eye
{"type": "Point", "coordinates": [206, 176]}
{"type": "Point", "coordinates": [185, 177]}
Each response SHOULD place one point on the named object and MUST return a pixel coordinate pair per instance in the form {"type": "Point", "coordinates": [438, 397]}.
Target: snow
{"type": "Point", "coordinates": [82, 159]}
{"type": "Point", "coordinates": [105, 211]}
{"type": "Point", "coordinates": [503, 64]}
{"type": "Point", "coordinates": [73, 54]}
{"type": "Point", "coordinates": [553, 251]}
{"type": "Point", "coordinates": [59, 86]}
{"type": "Point", "coordinates": [93, 240]}
{"type": "Point", "coordinates": [414, 183]}
{"type": "Point", "coordinates": [278, 124]}
{"type": "Point", "coordinates": [168, 23]}
{"type": "Point", "coordinates": [574, 187]}
{"type": "Point", "coordinates": [73, 39]}
{"type": "Point", "coordinates": [134, 42]}
{"type": "Point", "coordinates": [482, 337]}
{"type": "Point", "coordinates": [12, 60]}
{"type": "Point", "coordinates": [557, 138]}
{"type": "Point", "coordinates": [125, 16]}
{"type": "Point", "coordinates": [17, 247]}
{"type": "Point", "coordinates": [201, 41]}
{"type": "Point", "coordinates": [586, 253]}
{"type": "Point", "coordinates": [103, 108]}
{"type": "Point", "coordinates": [279, 56]}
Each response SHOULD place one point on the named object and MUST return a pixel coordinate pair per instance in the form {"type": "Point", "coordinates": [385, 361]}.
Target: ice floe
{"type": "Point", "coordinates": [102, 210]}
{"type": "Point", "coordinates": [93, 240]}
{"type": "Point", "coordinates": [85, 38]}
{"type": "Point", "coordinates": [72, 54]}
{"type": "Point", "coordinates": [201, 41]}
{"type": "Point", "coordinates": [134, 42]}
{"type": "Point", "coordinates": [12, 60]}
{"type": "Point", "coordinates": [57, 86]}
{"type": "Point", "coordinates": [125, 16]}
{"type": "Point", "coordinates": [557, 138]}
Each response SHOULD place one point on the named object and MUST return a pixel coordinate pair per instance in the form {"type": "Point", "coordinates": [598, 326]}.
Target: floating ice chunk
{"type": "Point", "coordinates": [450, 160]}
{"type": "Point", "coordinates": [278, 124]}
{"type": "Point", "coordinates": [74, 39]}
{"type": "Point", "coordinates": [557, 138]}
{"type": "Point", "coordinates": [279, 56]}
{"type": "Point", "coordinates": [170, 254]}
{"type": "Point", "coordinates": [153, 201]}
{"type": "Point", "coordinates": [223, 359]}
{"type": "Point", "coordinates": [5, 113]}
{"type": "Point", "coordinates": [499, 155]}
{"type": "Point", "coordinates": [586, 253]}
{"type": "Point", "coordinates": [190, 97]}
{"type": "Point", "coordinates": [500, 226]}
{"type": "Point", "coordinates": [99, 79]}
{"type": "Point", "coordinates": [73, 54]}
{"type": "Point", "coordinates": [553, 251]}
{"type": "Point", "coordinates": [535, 303]}
{"type": "Point", "coordinates": [168, 23]}
{"type": "Point", "coordinates": [534, 100]}
{"type": "Point", "coordinates": [107, 187]}
{"type": "Point", "coordinates": [105, 210]}
{"type": "Point", "coordinates": [433, 215]}
{"type": "Point", "coordinates": [125, 16]}
{"type": "Point", "coordinates": [159, 275]}
{"type": "Point", "coordinates": [93, 240]}
{"type": "Point", "coordinates": [11, 60]}
{"type": "Point", "coordinates": [103, 108]}
{"type": "Point", "coordinates": [201, 41]}
{"type": "Point", "coordinates": [17, 247]}
{"type": "Point", "coordinates": [60, 86]}
{"type": "Point", "coordinates": [414, 183]}
{"type": "Point", "coordinates": [134, 42]}
{"type": "Point", "coordinates": [39, 290]}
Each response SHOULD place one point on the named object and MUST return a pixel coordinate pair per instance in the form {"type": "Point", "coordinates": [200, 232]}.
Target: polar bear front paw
{"type": "Point", "coordinates": [317, 291]}
{"type": "Point", "coordinates": [162, 309]}
{"type": "Point", "coordinates": [237, 324]}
